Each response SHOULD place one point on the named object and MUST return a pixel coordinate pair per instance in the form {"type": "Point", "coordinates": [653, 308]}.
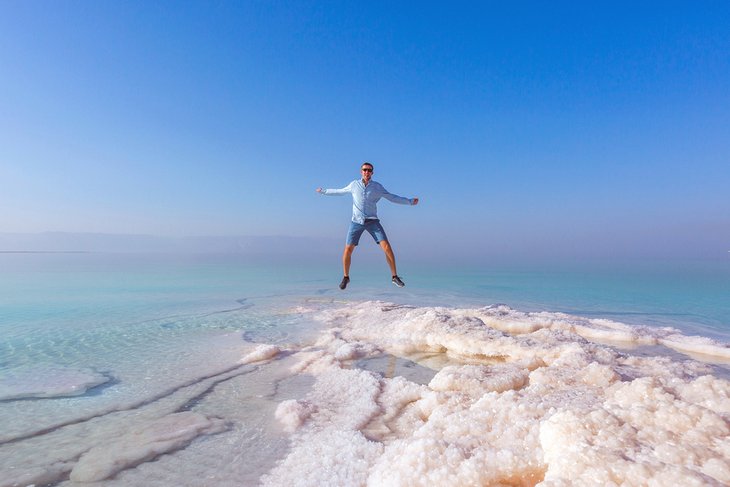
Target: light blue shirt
{"type": "Point", "coordinates": [365, 198]}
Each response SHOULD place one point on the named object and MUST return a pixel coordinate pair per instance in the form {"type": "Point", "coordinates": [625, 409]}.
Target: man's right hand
{"type": "Point", "coordinates": [319, 190]}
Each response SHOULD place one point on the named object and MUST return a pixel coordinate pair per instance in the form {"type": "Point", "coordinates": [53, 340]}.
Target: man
{"type": "Point", "coordinates": [365, 195]}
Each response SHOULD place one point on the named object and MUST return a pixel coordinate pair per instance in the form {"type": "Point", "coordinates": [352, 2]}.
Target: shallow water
{"type": "Point", "coordinates": [96, 345]}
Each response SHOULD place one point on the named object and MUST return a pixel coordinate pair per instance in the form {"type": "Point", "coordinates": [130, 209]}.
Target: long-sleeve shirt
{"type": "Point", "coordinates": [365, 198]}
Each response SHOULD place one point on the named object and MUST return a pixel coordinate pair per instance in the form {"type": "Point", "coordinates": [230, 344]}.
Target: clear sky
{"type": "Point", "coordinates": [541, 128]}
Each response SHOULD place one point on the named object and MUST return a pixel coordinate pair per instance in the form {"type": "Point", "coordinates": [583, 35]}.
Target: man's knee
{"type": "Point", "coordinates": [349, 249]}
{"type": "Point", "coordinates": [385, 245]}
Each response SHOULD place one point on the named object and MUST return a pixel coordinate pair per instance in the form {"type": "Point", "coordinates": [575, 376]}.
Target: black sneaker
{"type": "Point", "coordinates": [398, 281]}
{"type": "Point", "coordinates": [345, 281]}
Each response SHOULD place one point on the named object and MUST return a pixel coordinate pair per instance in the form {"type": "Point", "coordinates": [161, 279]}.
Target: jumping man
{"type": "Point", "coordinates": [365, 196]}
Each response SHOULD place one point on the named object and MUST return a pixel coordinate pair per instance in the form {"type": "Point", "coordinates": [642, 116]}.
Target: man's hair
{"type": "Point", "coordinates": [366, 163]}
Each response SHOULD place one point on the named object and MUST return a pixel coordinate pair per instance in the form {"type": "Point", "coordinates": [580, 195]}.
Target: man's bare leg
{"type": "Point", "coordinates": [346, 257]}
{"type": "Point", "coordinates": [389, 256]}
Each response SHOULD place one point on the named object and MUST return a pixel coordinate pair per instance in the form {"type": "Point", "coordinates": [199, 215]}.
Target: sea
{"type": "Point", "coordinates": [226, 369]}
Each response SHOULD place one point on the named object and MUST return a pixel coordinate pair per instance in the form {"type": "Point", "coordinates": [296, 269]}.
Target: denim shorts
{"type": "Point", "coordinates": [373, 227]}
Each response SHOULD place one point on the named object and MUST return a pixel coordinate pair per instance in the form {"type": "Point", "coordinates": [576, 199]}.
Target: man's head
{"type": "Point", "coordinates": [366, 170]}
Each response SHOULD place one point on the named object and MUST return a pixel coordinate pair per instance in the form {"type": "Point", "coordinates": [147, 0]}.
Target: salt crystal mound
{"type": "Point", "coordinates": [142, 444]}
{"type": "Point", "coordinates": [292, 413]}
{"type": "Point", "coordinates": [541, 406]}
{"type": "Point", "coordinates": [261, 353]}
{"type": "Point", "coordinates": [47, 382]}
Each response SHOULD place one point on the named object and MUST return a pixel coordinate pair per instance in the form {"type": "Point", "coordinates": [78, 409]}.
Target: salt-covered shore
{"type": "Point", "coordinates": [516, 399]}
{"type": "Point", "coordinates": [384, 394]}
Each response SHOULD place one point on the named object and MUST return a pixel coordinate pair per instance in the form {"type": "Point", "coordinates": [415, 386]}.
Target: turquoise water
{"type": "Point", "coordinates": [691, 296]}
{"type": "Point", "coordinates": [47, 299]}
{"type": "Point", "coordinates": [132, 328]}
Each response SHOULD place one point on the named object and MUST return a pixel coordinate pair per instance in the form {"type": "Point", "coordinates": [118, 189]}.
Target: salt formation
{"type": "Point", "coordinates": [261, 353]}
{"type": "Point", "coordinates": [45, 382]}
{"type": "Point", "coordinates": [293, 413]}
{"type": "Point", "coordinates": [525, 399]}
{"type": "Point", "coordinates": [143, 443]}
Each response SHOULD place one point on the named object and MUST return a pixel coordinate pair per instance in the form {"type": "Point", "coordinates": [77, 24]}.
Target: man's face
{"type": "Point", "coordinates": [366, 171]}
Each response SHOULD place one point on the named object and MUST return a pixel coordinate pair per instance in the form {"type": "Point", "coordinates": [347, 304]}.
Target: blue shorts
{"type": "Point", "coordinates": [373, 227]}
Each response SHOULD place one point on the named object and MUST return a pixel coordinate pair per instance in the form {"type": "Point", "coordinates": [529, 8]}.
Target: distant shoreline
{"type": "Point", "coordinates": [45, 252]}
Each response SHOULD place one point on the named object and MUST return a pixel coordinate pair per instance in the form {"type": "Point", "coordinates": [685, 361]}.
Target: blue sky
{"type": "Point", "coordinates": [542, 128]}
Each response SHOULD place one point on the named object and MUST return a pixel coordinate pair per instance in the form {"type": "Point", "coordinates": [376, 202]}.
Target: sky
{"type": "Point", "coordinates": [551, 129]}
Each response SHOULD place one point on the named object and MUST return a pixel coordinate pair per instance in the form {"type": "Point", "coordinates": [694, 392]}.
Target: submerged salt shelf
{"type": "Point", "coordinates": [45, 382]}
{"type": "Point", "coordinates": [518, 399]}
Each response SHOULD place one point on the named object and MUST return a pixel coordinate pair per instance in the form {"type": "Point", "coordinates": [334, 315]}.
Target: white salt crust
{"type": "Point", "coordinates": [525, 399]}
{"type": "Point", "coordinates": [293, 413]}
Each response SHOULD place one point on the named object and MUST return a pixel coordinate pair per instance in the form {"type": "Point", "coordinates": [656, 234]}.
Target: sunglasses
{"type": "Point", "coordinates": [367, 169]}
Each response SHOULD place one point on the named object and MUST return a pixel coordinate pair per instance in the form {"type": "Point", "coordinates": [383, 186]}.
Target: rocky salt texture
{"type": "Point", "coordinates": [525, 399]}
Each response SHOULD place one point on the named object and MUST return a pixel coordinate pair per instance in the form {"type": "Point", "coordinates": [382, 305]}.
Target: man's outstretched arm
{"type": "Point", "coordinates": [394, 198]}
{"type": "Point", "coordinates": [335, 192]}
